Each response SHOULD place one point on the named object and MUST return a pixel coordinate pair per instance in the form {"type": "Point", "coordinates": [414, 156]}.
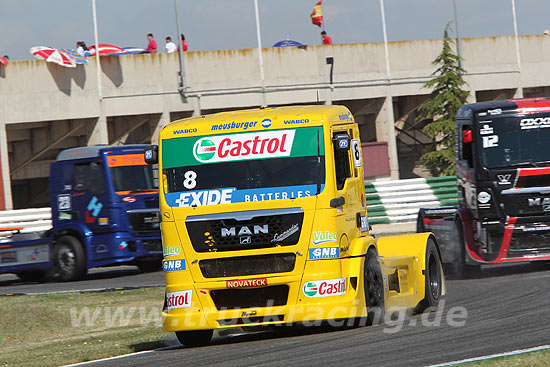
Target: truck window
{"type": "Point", "coordinates": [88, 176]}
{"type": "Point", "coordinates": [465, 138]}
{"type": "Point", "coordinates": [341, 165]}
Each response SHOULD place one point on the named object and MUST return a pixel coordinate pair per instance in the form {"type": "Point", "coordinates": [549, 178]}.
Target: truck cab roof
{"type": "Point", "coordinates": [96, 151]}
{"type": "Point", "coordinates": [520, 105]}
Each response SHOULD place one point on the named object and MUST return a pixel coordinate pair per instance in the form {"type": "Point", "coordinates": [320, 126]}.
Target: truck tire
{"type": "Point", "coordinates": [459, 268]}
{"type": "Point", "coordinates": [196, 338]}
{"type": "Point", "coordinates": [149, 266]}
{"type": "Point", "coordinates": [69, 259]}
{"type": "Point", "coordinates": [34, 275]}
{"type": "Point", "coordinates": [373, 283]}
{"type": "Point", "coordinates": [433, 279]}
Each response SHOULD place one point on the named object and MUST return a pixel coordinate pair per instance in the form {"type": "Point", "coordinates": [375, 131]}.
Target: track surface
{"type": "Point", "coordinates": [507, 310]}
{"type": "Point", "coordinates": [114, 277]}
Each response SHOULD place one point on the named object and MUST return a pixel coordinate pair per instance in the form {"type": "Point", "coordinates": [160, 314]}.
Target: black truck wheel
{"type": "Point", "coordinates": [374, 288]}
{"type": "Point", "coordinates": [149, 266]}
{"type": "Point", "coordinates": [34, 275]}
{"type": "Point", "coordinates": [433, 279]}
{"type": "Point", "coordinates": [194, 338]}
{"type": "Point", "coordinates": [459, 268]}
{"type": "Point", "coordinates": [69, 259]}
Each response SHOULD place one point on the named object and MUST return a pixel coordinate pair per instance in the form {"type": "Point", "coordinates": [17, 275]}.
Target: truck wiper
{"type": "Point", "coordinates": [516, 164]}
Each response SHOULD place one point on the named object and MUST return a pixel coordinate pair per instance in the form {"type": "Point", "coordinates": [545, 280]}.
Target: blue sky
{"type": "Point", "coordinates": [228, 24]}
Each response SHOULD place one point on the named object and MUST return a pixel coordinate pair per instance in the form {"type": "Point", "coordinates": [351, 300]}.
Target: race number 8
{"type": "Point", "coordinates": [190, 180]}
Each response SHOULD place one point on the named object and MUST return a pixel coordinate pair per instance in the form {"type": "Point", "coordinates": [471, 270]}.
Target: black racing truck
{"type": "Point", "coordinates": [503, 178]}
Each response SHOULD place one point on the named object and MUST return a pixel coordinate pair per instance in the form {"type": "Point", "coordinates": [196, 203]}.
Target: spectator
{"type": "Point", "coordinates": [82, 49]}
{"type": "Point", "coordinates": [170, 46]}
{"type": "Point", "coordinates": [326, 39]}
{"type": "Point", "coordinates": [183, 43]}
{"type": "Point", "coordinates": [6, 57]}
{"type": "Point", "coordinates": [152, 46]}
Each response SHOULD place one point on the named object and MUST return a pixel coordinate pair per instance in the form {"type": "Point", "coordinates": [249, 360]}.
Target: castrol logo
{"type": "Point", "coordinates": [235, 147]}
{"type": "Point", "coordinates": [178, 299]}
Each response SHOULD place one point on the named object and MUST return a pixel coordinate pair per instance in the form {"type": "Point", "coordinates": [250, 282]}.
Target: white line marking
{"type": "Point", "coordinates": [108, 359]}
{"type": "Point", "coordinates": [492, 356]}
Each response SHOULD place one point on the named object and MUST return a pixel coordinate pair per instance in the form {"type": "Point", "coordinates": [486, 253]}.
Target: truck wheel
{"type": "Point", "coordinates": [69, 259]}
{"type": "Point", "coordinates": [374, 289]}
{"type": "Point", "coordinates": [433, 279]}
{"type": "Point", "coordinates": [34, 275]}
{"type": "Point", "coordinates": [459, 268]}
{"type": "Point", "coordinates": [194, 338]}
{"type": "Point", "coordinates": [149, 266]}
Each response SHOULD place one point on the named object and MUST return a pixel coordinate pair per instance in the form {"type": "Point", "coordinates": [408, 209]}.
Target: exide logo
{"type": "Point", "coordinates": [224, 148]}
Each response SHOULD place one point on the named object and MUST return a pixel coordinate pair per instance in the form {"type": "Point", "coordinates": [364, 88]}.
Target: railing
{"type": "Point", "coordinates": [31, 220]}
{"type": "Point", "coordinates": [399, 201]}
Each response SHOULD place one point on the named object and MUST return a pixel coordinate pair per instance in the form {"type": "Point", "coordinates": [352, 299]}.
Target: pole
{"type": "Point", "coordinates": [458, 45]}
{"type": "Point", "coordinates": [97, 53]}
{"type": "Point", "coordinates": [180, 47]}
{"type": "Point", "coordinates": [261, 60]}
{"type": "Point", "coordinates": [518, 57]}
{"type": "Point", "coordinates": [388, 74]}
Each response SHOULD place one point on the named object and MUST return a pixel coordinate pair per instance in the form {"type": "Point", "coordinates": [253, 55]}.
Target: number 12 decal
{"type": "Point", "coordinates": [490, 141]}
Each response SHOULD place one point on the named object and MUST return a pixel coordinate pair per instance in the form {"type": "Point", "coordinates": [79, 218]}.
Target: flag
{"type": "Point", "coordinates": [317, 15]}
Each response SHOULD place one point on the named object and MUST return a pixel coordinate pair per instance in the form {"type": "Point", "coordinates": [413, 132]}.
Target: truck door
{"type": "Point", "coordinates": [89, 196]}
{"type": "Point", "coordinates": [465, 164]}
{"type": "Point", "coordinates": [349, 184]}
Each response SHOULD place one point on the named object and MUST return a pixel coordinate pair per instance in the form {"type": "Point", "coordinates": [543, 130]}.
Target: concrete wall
{"type": "Point", "coordinates": [146, 87]}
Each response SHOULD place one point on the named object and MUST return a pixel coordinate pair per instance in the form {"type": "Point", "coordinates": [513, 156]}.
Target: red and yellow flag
{"type": "Point", "coordinates": [317, 15]}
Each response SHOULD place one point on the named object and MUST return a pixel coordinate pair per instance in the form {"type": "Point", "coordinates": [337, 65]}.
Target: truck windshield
{"type": "Point", "coordinates": [256, 166]}
{"type": "Point", "coordinates": [129, 172]}
{"type": "Point", "coordinates": [515, 141]}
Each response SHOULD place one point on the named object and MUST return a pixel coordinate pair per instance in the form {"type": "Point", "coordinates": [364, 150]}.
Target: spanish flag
{"type": "Point", "coordinates": [317, 15]}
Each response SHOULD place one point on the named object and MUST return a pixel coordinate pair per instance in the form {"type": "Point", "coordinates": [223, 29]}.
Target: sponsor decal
{"type": "Point", "coordinates": [65, 216]}
{"type": "Point", "coordinates": [504, 179]}
{"type": "Point", "coordinates": [235, 125]}
{"type": "Point", "coordinates": [168, 250]}
{"type": "Point", "coordinates": [292, 122]}
{"type": "Point", "coordinates": [231, 195]}
{"type": "Point", "coordinates": [324, 288]}
{"type": "Point", "coordinates": [364, 224]}
{"type": "Point", "coordinates": [101, 248]}
{"type": "Point", "coordinates": [490, 141]}
{"type": "Point", "coordinates": [126, 160]}
{"type": "Point", "coordinates": [123, 245]}
{"type": "Point", "coordinates": [534, 123]}
{"type": "Point", "coordinates": [92, 210]}
{"type": "Point", "coordinates": [173, 265]}
{"type": "Point", "coordinates": [324, 253]}
{"type": "Point", "coordinates": [266, 123]}
{"type": "Point", "coordinates": [179, 299]}
{"type": "Point", "coordinates": [68, 187]}
{"type": "Point", "coordinates": [324, 237]}
{"type": "Point", "coordinates": [64, 202]}
{"type": "Point", "coordinates": [179, 132]}
{"type": "Point", "coordinates": [202, 291]}
{"type": "Point", "coordinates": [129, 199]}
{"type": "Point", "coordinates": [244, 230]}
{"type": "Point", "coordinates": [246, 283]}
{"type": "Point", "coordinates": [496, 111]}
{"type": "Point", "coordinates": [25, 255]}
{"type": "Point", "coordinates": [483, 197]}
{"type": "Point", "coordinates": [227, 148]}
{"type": "Point", "coordinates": [344, 117]}
{"type": "Point", "coordinates": [103, 221]}
{"type": "Point", "coordinates": [545, 202]}
{"type": "Point", "coordinates": [486, 129]}
{"type": "Point", "coordinates": [287, 233]}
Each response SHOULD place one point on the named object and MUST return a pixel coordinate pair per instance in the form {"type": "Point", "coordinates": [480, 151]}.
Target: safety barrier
{"type": "Point", "coordinates": [399, 201]}
{"type": "Point", "coordinates": [32, 220]}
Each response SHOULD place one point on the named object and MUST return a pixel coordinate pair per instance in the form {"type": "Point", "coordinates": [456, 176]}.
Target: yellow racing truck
{"type": "Point", "coordinates": [264, 222]}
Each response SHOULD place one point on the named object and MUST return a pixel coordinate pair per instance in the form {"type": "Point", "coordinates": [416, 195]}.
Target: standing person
{"type": "Point", "coordinates": [183, 43]}
{"type": "Point", "coordinates": [170, 46]}
{"type": "Point", "coordinates": [152, 46]}
{"type": "Point", "coordinates": [326, 39]}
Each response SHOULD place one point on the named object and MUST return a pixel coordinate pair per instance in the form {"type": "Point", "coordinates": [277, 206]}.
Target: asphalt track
{"type": "Point", "coordinates": [99, 278]}
{"type": "Point", "coordinates": [507, 310]}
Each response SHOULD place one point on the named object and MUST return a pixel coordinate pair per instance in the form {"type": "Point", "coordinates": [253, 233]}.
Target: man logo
{"type": "Point", "coordinates": [204, 150]}
{"type": "Point", "coordinates": [545, 202]}
{"type": "Point", "coordinates": [246, 240]}
{"type": "Point", "coordinates": [504, 179]}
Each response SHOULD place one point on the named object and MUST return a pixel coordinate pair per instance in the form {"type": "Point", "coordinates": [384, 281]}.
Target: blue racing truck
{"type": "Point", "coordinates": [104, 202]}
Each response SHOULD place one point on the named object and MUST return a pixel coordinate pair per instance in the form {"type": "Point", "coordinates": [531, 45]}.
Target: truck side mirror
{"type": "Point", "coordinates": [151, 154]}
{"type": "Point", "coordinates": [342, 141]}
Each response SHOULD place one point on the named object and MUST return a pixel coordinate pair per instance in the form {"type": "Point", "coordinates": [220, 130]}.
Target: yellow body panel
{"type": "Point", "coordinates": [343, 294]}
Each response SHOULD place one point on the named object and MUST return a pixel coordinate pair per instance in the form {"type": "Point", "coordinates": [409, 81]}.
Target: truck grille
{"type": "Point", "coordinates": [518, 205]}
{"type": "Point", "coordinates": [245, 230]}
{"type": "Point", "coordinates": [225, 299]}
{"type": "Point", "coordinates": [144, 220]}
{"type": "Point", "coordinates": [247, 265]}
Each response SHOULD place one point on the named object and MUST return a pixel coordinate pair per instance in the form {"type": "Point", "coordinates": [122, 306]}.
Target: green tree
{"type": "Point", "coordinates": [446, 98]}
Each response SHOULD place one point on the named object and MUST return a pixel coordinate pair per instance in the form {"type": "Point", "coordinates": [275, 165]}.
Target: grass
{"type": "Point", "coordinates": [56, 329]}
{"type": "Point", "coordinates": [532, 359]}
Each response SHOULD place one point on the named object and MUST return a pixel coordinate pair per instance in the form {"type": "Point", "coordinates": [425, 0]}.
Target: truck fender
{"type": "Point", "coordinates": [360, 245]}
